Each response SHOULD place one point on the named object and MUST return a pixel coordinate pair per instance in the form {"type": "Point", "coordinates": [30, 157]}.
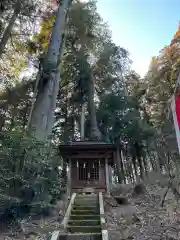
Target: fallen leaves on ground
{"type": "Point", "coordinates": [143, 218]}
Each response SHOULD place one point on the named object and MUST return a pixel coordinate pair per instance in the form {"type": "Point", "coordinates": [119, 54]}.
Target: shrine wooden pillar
{"type": "Point", "coordinates": [110, 174]}
{"type": "Point", "coordinates": [107, 175]}
{"type": "Point", "coordinates": [95, 174]}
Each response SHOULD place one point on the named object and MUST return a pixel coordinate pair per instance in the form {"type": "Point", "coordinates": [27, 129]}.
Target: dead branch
{"type": "Point", "coordinates": [175, 191]}
{"type": "Point", "coordinates": [164, 196]}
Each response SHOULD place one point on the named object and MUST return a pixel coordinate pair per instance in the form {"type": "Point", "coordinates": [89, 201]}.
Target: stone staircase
{"type": "Point", "coordinates": [84, 219]}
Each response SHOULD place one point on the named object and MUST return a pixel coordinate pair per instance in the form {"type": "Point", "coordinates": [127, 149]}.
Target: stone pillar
{"type": "Point", "coordinates": [69, 178]}
{"type": "Point", "coordinates": [107, 176]}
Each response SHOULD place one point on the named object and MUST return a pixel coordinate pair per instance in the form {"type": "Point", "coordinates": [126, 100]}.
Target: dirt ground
{"type": "Point", "coordinates": [143, 218]}
{"type": "Point", "coordinates": [36, 229]}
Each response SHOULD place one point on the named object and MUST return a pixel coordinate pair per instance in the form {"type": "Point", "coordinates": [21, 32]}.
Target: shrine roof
{"type": "Point", "coordinates": [78, 145]}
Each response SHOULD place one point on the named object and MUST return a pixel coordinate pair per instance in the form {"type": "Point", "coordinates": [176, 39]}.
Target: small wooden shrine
{"type": "Point", "coordinates": [88, 165]}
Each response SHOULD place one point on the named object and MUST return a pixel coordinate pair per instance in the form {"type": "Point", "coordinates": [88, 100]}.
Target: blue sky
{"type": "Point", "coordinates": [143, 27]}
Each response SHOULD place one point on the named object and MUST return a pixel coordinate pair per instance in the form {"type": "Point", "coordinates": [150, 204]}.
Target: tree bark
{"type": "Point", "coordinates": [2, 121]}
{"type": "Point", "coordinates": [155, 157]}
{"type": "Point", "coordinates": [65, 133]}
{"type": "Point", "coordinates": [152, 159]}
{"type": "Point", "coordinates": [43, 113]}
{"type": "Point", "coordinates": [7, 32]}
{"type": "Point", "coordinates": [119, 165]}
{"type": "Point", "coordinates": [94, 131]}
{"type": "Point", "coordinates": [3, 116]}
{"type": "Point", "coordinates": [64, 174]}
{"type": "Point", "coordinates": [146, 170]}
{"type": "Point", "coordinates": [134, 162]}
{"type": "Point", "coordinates": [140, 166]}
{"type": "Point", "coordinates": [25, 115]}
{"type": "Point", "coordinates": [38, 77]}
{"type": "Point", "coordinates": [122, 167]}
{"type": "Point", "coordinates": [82, 121]}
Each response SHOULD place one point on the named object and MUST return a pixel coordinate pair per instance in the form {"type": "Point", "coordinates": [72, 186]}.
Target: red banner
{"type": "Point", "coordinates": [178, 109]}
{"type": "Point", "coordinates": [175, 106]}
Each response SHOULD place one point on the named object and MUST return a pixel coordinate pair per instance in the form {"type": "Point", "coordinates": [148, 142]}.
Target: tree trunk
{"type": "Point", "coordinates": [139, 158]}
{"type": "Point", "coordinates": [82, 121]}
{"type": "Point", "coordinates": [155, 158]}
{"type": "Point", "coordinates": [13, 116]}
{"type": "Point", "coordinates": [144, 160]}
{"type": "Point", "coordinates": [25, 115]}
{"type": "Point", "coordinates": [152, 160]}
{"type": "Point", "coordinates": [38, 77]}
{"type": "Point", "coordinates": [140, 166]}
{"type": "Point", "coordinates": [119, 165]}
{"type": "Point", "coordinates": [94, 131]}
{"type": "Point", "coordinates": [8, 30]}
{"type": "Point", "coordinates": [43, 113]}
{"type": "Point", "coordinates": [65, 133]}
{"type": "Point", "coordinates": [64, 174]}
{"type": "Point", "coordinates": [134, 162]}
{"type": "Point", "coordinates": [2, 121]}
{"type": "Point", "coordinates": [122, 167]}
{"type": "Point", "coordinates": [3, 117]}
{"type": "Point", "coordinates": [73, 123]}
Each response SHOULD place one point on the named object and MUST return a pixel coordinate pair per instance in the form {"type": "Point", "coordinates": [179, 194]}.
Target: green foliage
{"type": "Point", "coordinates": [29, 174]}
{"type": "Point", "coordinates": [160, 82]}
{"type": "Point", "coordinates": [131, 112]}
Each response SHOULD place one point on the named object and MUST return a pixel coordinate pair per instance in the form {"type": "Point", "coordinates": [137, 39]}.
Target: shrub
{"type": "Point", "coordinates": [29, 175]}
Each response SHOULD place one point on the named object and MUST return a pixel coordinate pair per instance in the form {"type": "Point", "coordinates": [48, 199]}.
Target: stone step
{"type": "Point", "coordinates": [84, 229]}
{"type": "Point", "coordinates": [77, 207]}
{"type": "Point", "coordinates": [85, 202]}
{"type": "Point", "coordinates": [86, 205]}
{"type": "Point", "coordinates": [81, 236]}
{"type": "Point", "coordinates": [87, 197]}
{"type": "Point", "coordinates": [85, 217]}
{"type": "Point", "coordinates": [87, 222]}
{"type": "Point", "coordinates": [84, 212]}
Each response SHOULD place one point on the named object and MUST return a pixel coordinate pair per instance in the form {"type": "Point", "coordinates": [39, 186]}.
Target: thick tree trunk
{"type": "Point", "coordinates": [38, 77]}
{"type": "Point", "coordinates": [73, 123]}
{"type": "Point", "coordinates": [8, 30]}
{"type": "Point", "coordinates": [43, 113]}
{"type": "Point", "coordinates": [94, 131]}
{"type": "Point", "coordinates": [65, 133]}
{"type": "Point", "coordinates": [82, 121]}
